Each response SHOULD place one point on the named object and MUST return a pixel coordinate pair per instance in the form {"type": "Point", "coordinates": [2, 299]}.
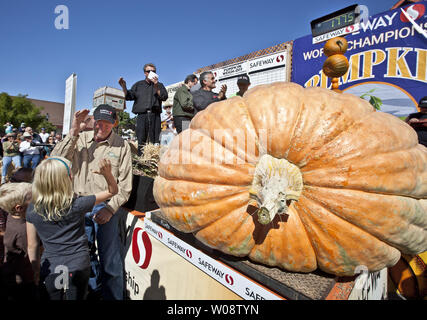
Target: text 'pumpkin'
{"type": "Point", "coordinates": [299, 179]}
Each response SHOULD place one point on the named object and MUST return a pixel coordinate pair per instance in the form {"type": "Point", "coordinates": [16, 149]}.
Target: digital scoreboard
{"type": "Point", "coordinates": [336, 21]}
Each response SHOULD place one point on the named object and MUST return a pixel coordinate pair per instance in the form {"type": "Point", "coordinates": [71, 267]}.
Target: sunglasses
{"type": "Point", "coordinates": [149, 71]}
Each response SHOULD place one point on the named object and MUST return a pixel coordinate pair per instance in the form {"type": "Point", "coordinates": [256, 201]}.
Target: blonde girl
{"type": "Point", "coordinates": [56, 216]}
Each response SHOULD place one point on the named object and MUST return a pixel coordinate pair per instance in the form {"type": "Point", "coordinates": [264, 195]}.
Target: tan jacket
{"type": "Point", "coordinates": [85, 153]}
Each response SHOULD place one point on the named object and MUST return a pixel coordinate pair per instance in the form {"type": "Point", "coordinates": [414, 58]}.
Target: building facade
{"type": "Point", "coordinates": [53, 111]}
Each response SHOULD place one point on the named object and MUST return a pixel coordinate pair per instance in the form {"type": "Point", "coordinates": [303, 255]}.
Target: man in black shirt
{"type": "Point", "coordinates": [418, 121]}
{"type": "Point", "coordinates": [204, 96]}
{"type": "Point", "coordinates": [148, 95]}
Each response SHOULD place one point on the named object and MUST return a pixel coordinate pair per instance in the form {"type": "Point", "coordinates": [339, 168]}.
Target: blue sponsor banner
{"type": "Point", "coordinates": [387, 57]}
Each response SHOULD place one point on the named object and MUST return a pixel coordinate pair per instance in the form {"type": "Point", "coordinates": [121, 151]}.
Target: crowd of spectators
{"type": "Point", "coordinates": [24, 148]}
{"type": "Point", "coordinates": [59, 215]}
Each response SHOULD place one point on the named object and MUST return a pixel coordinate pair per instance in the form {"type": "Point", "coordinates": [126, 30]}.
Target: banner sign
{"type": "Point", "coordinates": [155, 256]}
{"type": "Point", "coordinates": [263, 70]}
{"type": "Point", "coordinates": [154, 272]}
{"type": "Point", "coordinates": [232, 71]}
{"type": "Point", "coordinates": [387, 58]}
{"type": "Point", "coordinates": [233, 280]}
{"type": "Point", "coordinates": [252, 65]}
{"type": "Point", "coordinates": [336, 33]}
{"type": "Point", "coordinates": [274, 60]}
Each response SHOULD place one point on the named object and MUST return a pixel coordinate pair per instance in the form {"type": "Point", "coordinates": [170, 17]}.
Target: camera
{"type": "Point", "coordinates": [36, 144]}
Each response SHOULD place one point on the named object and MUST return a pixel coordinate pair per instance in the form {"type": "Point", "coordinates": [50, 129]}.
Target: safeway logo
{"type": "Point", "coordinates": [188, 253]}
{"type": "Point", "coordinates": [415, 11]}
{"type": "Point", "coordinates": [280, 58]}
{"type": "Point", "coordinates": [229, 279]}
{"type": "Point", "coordinates": [349, 29]}
{"type": "Point", "coordinates": [141, 248]}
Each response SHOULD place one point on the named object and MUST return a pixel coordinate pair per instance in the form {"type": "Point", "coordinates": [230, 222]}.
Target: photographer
{"type": "Point", "coordinates": [49, 145]}
{"type": "Point", "coordinates": [30, 150]}
{"type": "Point", "coordinates": [10, 154]}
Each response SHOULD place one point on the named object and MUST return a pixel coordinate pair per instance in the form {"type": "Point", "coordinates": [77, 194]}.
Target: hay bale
{"type": "Point", "coordinates": [146, 164]}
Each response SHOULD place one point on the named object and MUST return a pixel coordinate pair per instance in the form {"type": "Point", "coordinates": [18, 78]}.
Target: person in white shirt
{"type": "Point", "coordinates": [44, 135]}
{"type": "Point", "coordinates": [31, 153]}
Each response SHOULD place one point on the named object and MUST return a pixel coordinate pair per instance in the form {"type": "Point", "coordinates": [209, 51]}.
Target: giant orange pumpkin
{"type": "Point", "coordinates": [299, 179]}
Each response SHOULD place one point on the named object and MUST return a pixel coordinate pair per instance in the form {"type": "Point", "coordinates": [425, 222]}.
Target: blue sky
{"type": "Point", "coordinates": [109, 39]}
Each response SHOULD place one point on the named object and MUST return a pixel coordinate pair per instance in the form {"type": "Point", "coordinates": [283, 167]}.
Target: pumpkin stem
{"type": "Point", "coordinates": [276, 183]}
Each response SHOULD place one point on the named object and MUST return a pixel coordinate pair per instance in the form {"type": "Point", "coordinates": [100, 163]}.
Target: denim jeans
{"type": "Point", "coordinates": [34, 159]}
{"type": "Point", "coordinates": [7, 161]}
{"type": "Point", "coordinates": [107, 267]}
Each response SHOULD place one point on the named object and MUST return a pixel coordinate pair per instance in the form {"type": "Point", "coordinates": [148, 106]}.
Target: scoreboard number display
{"type": "Point", "coordinates": [338, 23]}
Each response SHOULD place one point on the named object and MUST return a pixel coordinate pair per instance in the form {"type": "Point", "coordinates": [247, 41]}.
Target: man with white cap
{"type": "Point", "coordinates": [22, 127]}
{"type": "Point", "coordinates": [31, 153]}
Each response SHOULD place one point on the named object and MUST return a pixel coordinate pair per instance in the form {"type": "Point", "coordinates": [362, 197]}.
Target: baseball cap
{"type": "Point", "coordinates": [244, 78]}
{"type": "Point", "coordinates": [423, 102]}
{"type": "Point", "coordinates": [27, 134]}
{"type": "Point", "coordinates": [105, 112]}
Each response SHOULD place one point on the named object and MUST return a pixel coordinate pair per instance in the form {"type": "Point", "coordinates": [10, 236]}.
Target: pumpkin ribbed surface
{"type": "Point", "coordinates": [335, 66]}
{"type": "Point", "coordinates": [337, 45]}
{"type": "Point", "coordinates": [364, 181]}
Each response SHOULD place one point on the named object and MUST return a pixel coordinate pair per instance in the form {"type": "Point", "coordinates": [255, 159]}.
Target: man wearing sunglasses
{"type": "Point", "coordinates": [147, 95]}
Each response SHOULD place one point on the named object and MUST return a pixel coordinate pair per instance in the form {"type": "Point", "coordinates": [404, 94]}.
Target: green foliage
{"type": "Point", "coordinates": [125, 122]}
{"type": "Point", "coordinates": [19, 109]}
{"type": "Point", "coordinates": [374, 101]}
{"type": "Point", "coordinates": [47, 125]}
